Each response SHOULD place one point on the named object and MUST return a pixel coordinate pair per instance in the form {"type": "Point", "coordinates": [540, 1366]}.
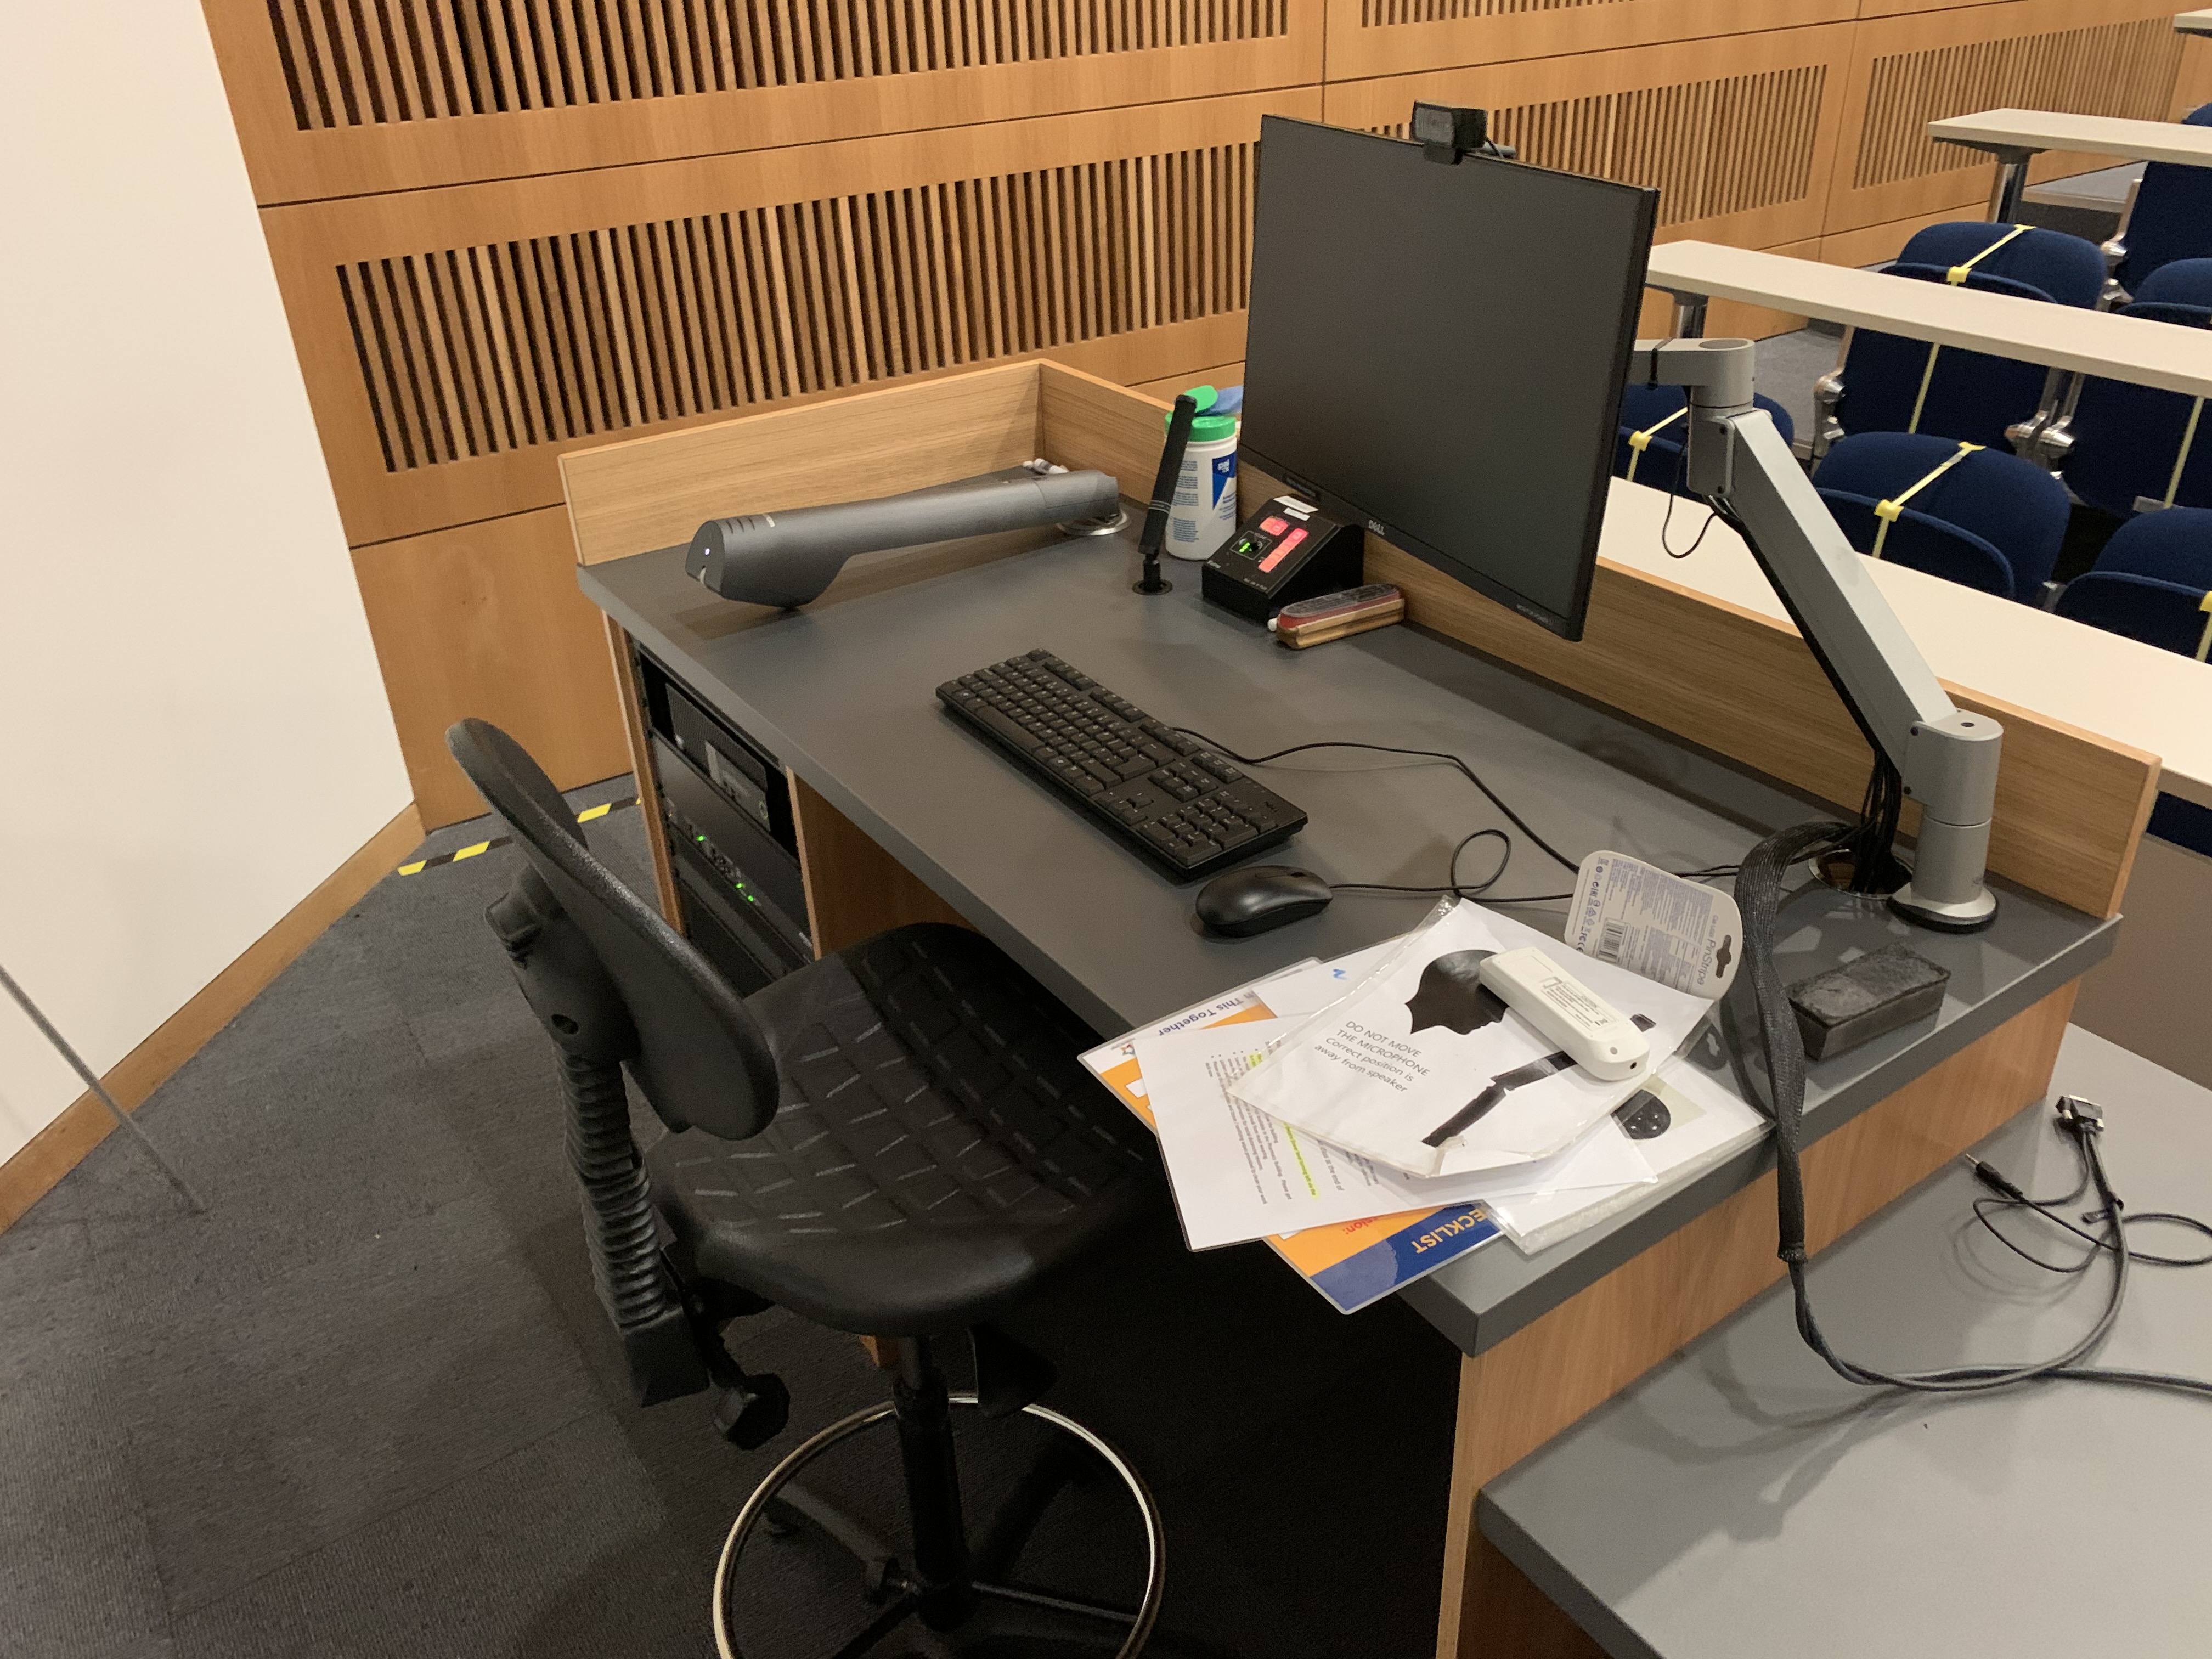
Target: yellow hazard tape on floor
{"type": "Point", "coordinates": [483, 846]}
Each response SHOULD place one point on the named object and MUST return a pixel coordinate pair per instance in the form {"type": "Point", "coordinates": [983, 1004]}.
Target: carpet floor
{"type": "Point", "coordinates": [368, 1406]}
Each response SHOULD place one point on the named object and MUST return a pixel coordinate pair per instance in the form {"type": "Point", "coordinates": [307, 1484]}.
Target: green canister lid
{"type": "Point", "coordinates": [1205, 428]}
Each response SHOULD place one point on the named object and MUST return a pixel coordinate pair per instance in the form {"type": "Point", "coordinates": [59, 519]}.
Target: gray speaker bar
{"type": "Point", "coordinates": [788, 558]}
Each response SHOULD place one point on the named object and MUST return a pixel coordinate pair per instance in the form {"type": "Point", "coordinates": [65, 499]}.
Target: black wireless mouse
{"type": "Point", "coordinates": [1261, 896]}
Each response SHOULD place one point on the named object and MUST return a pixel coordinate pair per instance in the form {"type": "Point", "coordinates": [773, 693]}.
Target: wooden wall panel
{"type": "Point", "coordinates": [1390, 37]}
{"type": "Point", "coordinates": [505, 229]}
{"type": "Point", "coordinates": [487, 620]}
{"type": "Point", "coordinates": [456, 341]}
{"type": "Point", "coordinates": [1727, 318]}
{"type": "Point", "coordinates": [1873, 244]}
{"type": "Point", "coordinates": [2192, 81]}
{"type": "Point", "coordinates": [2117, 57]}
{"type": "Point", "coordinates": [1738, 135]}
{"type": "Point", "coordinates": [371, 95]}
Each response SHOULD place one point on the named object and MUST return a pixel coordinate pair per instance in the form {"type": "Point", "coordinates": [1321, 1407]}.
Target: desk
{"type": "Point", "coordinates": [2068, 337]}
{"type": "Point", "coordinates": [843, 694]}
{"type": "Point", "coordinates": [2017, 136]}
{"type": "Point", "coordinates": [1743, 1501]}
{"type": "Point", "coordinates": [937, 823]}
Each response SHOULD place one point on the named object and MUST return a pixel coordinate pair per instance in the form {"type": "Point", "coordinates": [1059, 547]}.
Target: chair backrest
{"type": "Point", "coordinates": [2164, 614]}
{"type": "Point", "coordinates": [698, 1055]}
{"type": "Point", "coordinates": [1919, 542]}
{"type": "Point", "coordinates": [1991, 521]}
{"type": "Point", "coordinates": [2069, 270]}
{"type": "Point", "coordinates": [2128, 439]}
{"type": "Point", "coordinates": [1887, 383]}
{"type": "Point", "coordinates": [2171, 218]}
{"type": "Point", "coordinates": [2173, 546]}
{"type": "Point", "coordinates": [2178, 283]}
{"type": "Point", "coordinates": [1642, 408]}
{"type": "Point", "coordinates": [1970, 396]}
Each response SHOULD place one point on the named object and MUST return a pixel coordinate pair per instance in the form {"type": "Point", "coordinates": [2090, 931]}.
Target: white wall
{"type": "Point", "coordinates": [192, 731]}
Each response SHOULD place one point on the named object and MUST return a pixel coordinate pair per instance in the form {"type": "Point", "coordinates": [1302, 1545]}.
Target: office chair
{"type": "Point", "coordinates": [2168, 217]}
{"type": "Point", "coordinates": [1654, 413]}
{"type": "Point", "coordinates": [2153, 582]}
{"type": "Point", "coordinates": [2121, 445]}
{"type": "Point", "coordinates": [1886, 383]}
{"type": "Point", "coordinates": [897, 1140]}
{"type": "Point", "coordinates": [1989, 520]}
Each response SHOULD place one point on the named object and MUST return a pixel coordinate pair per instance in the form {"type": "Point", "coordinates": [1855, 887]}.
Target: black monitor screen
{"type": "Point", "coordinates": [1438, 351]}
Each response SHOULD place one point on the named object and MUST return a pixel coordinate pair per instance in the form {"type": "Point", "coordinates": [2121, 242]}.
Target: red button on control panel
{"type": "Point", "coordinates": [1273, 526]}
{"type": "Point", "coordinates": [1282, 547]}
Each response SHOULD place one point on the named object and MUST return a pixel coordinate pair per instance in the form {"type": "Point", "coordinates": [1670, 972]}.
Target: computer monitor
{"type": "Point", "coordinates": [1438, 350]}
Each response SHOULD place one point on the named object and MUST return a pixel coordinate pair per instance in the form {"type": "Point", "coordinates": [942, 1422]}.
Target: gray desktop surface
{"type": "Point", "coordinates": [1743, 1501]}
{"type": "Point", "coordinates": [843, 693]}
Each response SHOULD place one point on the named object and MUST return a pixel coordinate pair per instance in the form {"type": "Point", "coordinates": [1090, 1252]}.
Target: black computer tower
{"type": "Point", "coordinates": [724, 808]}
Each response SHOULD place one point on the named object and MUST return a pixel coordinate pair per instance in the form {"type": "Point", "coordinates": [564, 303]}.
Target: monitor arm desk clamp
{"type": "Point", "coordinates": [1946, 757]}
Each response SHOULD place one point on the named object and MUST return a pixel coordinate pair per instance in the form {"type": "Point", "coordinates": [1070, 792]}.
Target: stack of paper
{"type": "Point", "coordinates": [1421, 1068]}
{"type": "Point", "coordinates": [1356, 1227]}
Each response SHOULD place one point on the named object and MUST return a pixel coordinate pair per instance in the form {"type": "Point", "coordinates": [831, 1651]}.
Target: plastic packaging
{"type": "Point", "coordinates": [1203, 515]}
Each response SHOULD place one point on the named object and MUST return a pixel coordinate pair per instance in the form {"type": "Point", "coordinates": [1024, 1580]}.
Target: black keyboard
{"type": "Point", "coordinates": [1188, 809]}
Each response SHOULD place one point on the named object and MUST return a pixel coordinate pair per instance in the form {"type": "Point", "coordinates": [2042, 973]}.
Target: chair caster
{"type": "Point", "coordinates": [752, 1412]}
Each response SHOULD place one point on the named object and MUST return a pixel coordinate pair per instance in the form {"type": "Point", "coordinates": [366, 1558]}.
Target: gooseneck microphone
{"type": "Point", "coordinates": [788, 558]}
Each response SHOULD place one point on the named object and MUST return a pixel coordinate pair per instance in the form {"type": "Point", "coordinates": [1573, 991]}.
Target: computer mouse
{"type": "Point", "coordinates": [1261, 896]}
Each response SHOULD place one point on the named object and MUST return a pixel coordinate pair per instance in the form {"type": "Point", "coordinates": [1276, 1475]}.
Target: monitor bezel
{"type": "Point", "coordinates": [1568, 624]}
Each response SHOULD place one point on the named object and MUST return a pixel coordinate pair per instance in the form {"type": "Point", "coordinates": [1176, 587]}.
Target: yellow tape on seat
{"type": "Point", "coordinates": [1955, 276]}
{"type": "Point", "coordinates": [2205, 639]}
{"type": "Point", "coordinates": [1889, 511]}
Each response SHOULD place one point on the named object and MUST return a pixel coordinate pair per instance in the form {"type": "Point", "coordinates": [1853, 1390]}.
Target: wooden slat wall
{"type": "Point", "coordinates": [505, 229]}
{"type": "Point", "coordinates": [1738, 135]}
{"type": "Point", "coordinates": [2115, 58]}
{"type": "Point", "coordinates": [347, 97]}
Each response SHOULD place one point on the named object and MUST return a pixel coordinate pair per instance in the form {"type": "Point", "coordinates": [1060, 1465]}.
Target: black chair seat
{"type": "Point", "coordinates": [938, 1148]}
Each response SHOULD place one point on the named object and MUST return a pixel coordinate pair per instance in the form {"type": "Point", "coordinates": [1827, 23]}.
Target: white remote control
{"type": "Point", "coordinates": [1600, 1038]}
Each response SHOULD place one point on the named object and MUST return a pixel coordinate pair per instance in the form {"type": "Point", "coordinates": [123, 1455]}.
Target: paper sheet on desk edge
{"type": "Point", "coordinates": [1357, 1262]}
{"type": "Point", "coordinates": [1725, 1125]}
{"type": "Point", "coordinates": [1239, 1174]}
{"type": "Point", "coordinates": [1302, 989]}
{"type": "Point", "coordinates": [1314, 1083]}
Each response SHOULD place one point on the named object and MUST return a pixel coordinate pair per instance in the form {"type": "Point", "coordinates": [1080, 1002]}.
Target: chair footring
{"type": "Point", "coordinates": [780, 1496]}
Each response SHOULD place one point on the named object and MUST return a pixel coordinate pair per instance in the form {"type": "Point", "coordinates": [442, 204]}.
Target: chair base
{"type": "Point", "coordinates": [780, 1503]}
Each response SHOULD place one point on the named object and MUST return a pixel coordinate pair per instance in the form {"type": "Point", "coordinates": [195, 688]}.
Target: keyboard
{"type": "Point", "coordinates": [1189, 810]}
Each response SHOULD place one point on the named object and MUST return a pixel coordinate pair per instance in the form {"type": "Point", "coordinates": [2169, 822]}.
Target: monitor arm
{"type": "Point", "coordinates": [1946, 757]}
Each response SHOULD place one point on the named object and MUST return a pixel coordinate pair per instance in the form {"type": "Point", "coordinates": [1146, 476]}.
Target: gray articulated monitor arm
{"type": "Point", "coordinates": [1946, 757]}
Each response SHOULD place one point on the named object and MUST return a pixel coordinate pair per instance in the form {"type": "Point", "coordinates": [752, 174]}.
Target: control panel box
{"type": "Point", "coordinates": [1288, 551]}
